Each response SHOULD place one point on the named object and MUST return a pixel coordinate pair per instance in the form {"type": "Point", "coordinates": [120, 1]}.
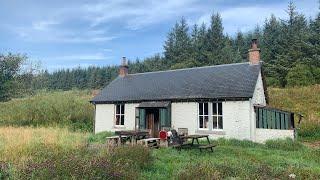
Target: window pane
{"type": "Point", "coordinates": [122, 109]}
{"type": "Point", "coordinates": [122, 119]}
{"type": "Point", "coordinates": [214, 122]}
{"type": "Point", "coordinates": [214, 108]}
{"type": "Point", "coordinates": [220, 108]}
{"type": "Point", "coordinates": [205, 108]}
{"type": "Point", "coordinates": [206, 120]}
{"type": "Point", "coordinates": [200, 108]}
{"type": "Point", "coordinates": [117, 109]}
{"type": "Point", "coordinates": [220, 122]}
{"type": "Point", "coordinates": [117, 119]}
{"type": "Point", "coordinates": [200, 121]}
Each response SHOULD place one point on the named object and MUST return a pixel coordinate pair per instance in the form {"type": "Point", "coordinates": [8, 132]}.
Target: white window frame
{"type": "Point", "coordinates": [217, 115]}
{"type": "Point", "coordinates": [203, 115]}
{"type": "Point", "coordinates": [119, 114]}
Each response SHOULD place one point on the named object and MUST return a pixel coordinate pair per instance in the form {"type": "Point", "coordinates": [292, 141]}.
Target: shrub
{"type": "Point", "coordinates": [284, 144]}
{"type": "Point", "coordinates": [199, 171]}
{"type": "Point", "coordinates": [300, 75]}
{"type": "Point", "coordinates": [78, 164]}
{"type": "Point", "coordinates": [71, 109]}
{"type": "Point", "coordinates": [135, 155]}
{"type": "Point", "coordinates": [310, 131]}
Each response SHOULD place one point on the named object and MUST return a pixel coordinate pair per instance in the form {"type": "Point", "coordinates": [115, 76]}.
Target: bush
{"type": "Point", "coordinates": [284, 144]}
{"type": "Point", "coordinates": [78, 164]}
{"type": "Point", "coordinates": [135, 155]}
{"type": "Point", "coordinates": [71, 109]}
{"type": "Point", "coordinates": [199, 171]}
{"type": "Point", "coordinates": [300, 75]}
{"type": "Point", "coordinates": [310, 131]}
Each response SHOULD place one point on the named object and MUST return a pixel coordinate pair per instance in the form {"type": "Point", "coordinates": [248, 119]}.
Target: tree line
{"type": "Point", "coordinates": [290, 51]}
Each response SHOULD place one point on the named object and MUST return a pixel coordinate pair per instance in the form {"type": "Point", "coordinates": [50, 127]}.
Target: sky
{"type": "Point", "coordinates": [72, 33]}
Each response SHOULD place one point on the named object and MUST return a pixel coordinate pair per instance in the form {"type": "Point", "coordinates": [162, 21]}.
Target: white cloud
{"type": "Point", "coordinates": [136, 15]}
{"type": "Point", "coordinates": [80, 57]}
{"type": "Point", "coordinates": [43, 25]}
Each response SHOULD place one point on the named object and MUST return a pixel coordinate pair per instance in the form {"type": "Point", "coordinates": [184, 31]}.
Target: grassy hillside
{"type": "Point", "coordinates": [60, 108]}
{"type": "Point", "coordinates": [305, 100]}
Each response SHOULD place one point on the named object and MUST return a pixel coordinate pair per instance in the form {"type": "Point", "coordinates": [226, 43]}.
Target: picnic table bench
{"type": "Point", "coordinates": [150, 142]}
{"type": "Point", "coordinates": [132, 135]}
{"type": "Point", "coordinates": [195, 138]}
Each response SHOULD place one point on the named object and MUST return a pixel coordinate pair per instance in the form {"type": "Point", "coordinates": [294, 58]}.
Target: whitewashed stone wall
{"type": "Point", "coordinates": [105, 117]}
{"type": "Point", "coordinates": [259, 97]}
{"type": "Point", "coordinates": [184, 115]}
{"type": "Point", "coordinates": [265, 134]}
{"type": "Point", "coordinates": [236, 119]}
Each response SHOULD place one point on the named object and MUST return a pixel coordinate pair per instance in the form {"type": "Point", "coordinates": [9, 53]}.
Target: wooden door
{"type": "Point", "coordinates": [150, 123]}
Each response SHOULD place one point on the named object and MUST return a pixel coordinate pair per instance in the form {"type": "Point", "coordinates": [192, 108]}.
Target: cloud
{"type": "Point", "coordinates": [43, 25]}
{"type": "Point", "coordinates": [136, 15]}
{"type": "Point", "coordinates": [81, 57]}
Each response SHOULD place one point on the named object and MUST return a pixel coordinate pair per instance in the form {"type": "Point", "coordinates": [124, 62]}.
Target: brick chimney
{"type": "Point", "coordinates": [254, 53]}
{"type": "Point", "coordinates": [124, 68]}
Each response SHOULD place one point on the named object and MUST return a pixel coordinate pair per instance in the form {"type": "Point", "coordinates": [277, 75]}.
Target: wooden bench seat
{"type": "Point", "coordinates": [209, 146]}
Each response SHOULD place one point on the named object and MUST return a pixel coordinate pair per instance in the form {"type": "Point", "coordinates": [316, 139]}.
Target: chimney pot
{"type": "Point", "coordinates": [254, 52]}
{"type": "Point", "coordinates": [124, 68]}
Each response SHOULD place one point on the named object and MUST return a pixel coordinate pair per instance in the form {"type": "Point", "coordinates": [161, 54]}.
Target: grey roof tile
{"type": "Point", "coordinates": [210, 82]}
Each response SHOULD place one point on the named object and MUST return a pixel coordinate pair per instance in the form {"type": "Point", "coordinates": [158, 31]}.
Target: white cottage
{"type": "Point", "coordinates": [223, 101]}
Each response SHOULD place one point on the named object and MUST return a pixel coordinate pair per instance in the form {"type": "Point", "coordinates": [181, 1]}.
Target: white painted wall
{"type": "Point", "coordinates": [264, 134]}
{"type": "Point", "coordinates": [236, 119]}
{"type": "Point", "coordinates": [184, 115]}
{"type": "Point", "coordinates": [105, 117]}
{"type": "Point", "coordinates": [259, 97]}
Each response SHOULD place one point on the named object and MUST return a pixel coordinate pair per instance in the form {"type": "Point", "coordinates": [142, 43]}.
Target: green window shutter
{"type": "Point", "coordinates": [165, 118]}
{"type": "Point", "coordinates": [142, 119]}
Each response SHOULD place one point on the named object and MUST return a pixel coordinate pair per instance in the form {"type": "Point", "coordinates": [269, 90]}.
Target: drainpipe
{"type": "Point", "coordinates": [298, 126]}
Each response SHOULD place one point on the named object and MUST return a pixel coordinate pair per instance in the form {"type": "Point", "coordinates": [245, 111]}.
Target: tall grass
{"type": "Point", "coordinates": [54, 153]}
{"type": "Point", "coordinates": [69, 108]}
{"type": "Point", "coordinates": [305, 100]}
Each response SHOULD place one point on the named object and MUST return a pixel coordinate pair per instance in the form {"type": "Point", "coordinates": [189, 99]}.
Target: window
{"type": "Point", "coordinates": [120, 114]}
{"type": "Point", "coordinates": [203, 115]}
{"type": "Point", "coordinates": [217, 119]}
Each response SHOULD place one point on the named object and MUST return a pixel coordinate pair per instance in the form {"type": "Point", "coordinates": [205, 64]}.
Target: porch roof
{"type": "Point", "coordinates": [154, 104]}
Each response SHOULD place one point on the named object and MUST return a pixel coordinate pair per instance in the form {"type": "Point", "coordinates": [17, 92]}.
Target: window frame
{"type": "Point", "coordinates": [120, 114]}
{"type": "Point", "coordinates": [203, 115]}
{"type": "Point", "coordinates": [216, 116]}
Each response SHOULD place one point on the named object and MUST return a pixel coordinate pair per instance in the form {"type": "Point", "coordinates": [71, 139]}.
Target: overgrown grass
{"type": "Point", "coordinates": [99, 137]}
{"type": "Point", "coordinates": [305, 100]}
{"type": "Point", "coordinates": [69, 108]}
{"type": "Point", "coordinates": [53, 153]}
{"type": "Point", "coordinates": [238, 159]}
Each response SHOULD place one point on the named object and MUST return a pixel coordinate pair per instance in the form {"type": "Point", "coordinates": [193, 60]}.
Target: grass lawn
{"type": "Point", "coordinates": [239, 159]}
{"type": "Point", "coordinates": [55, 153]}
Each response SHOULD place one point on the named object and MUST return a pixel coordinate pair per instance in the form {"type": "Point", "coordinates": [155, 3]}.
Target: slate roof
{"type": "Point", "coordinates": [229, 81]}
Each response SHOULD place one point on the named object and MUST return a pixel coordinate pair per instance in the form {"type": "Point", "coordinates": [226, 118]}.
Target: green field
{"type": "Point", "coordinates": [48, 136]}
{"type": "Point", "coordinates": [57, 153]}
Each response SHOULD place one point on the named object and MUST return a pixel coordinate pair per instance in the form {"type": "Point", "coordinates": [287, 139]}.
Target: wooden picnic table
{"type": "Point", "coordinates": [196, 137]}
{"type": "Point", "coordinates": [132, 135]}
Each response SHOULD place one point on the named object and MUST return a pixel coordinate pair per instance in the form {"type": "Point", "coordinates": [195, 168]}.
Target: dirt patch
{"type": "Point", "coordinates": [314, 144]}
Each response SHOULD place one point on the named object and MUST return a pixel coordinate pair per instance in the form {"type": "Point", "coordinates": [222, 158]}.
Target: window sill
{"type": "Point", "coordinates": [215, 131]}
{"type": "Point", "coordinates": [119, 127]}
